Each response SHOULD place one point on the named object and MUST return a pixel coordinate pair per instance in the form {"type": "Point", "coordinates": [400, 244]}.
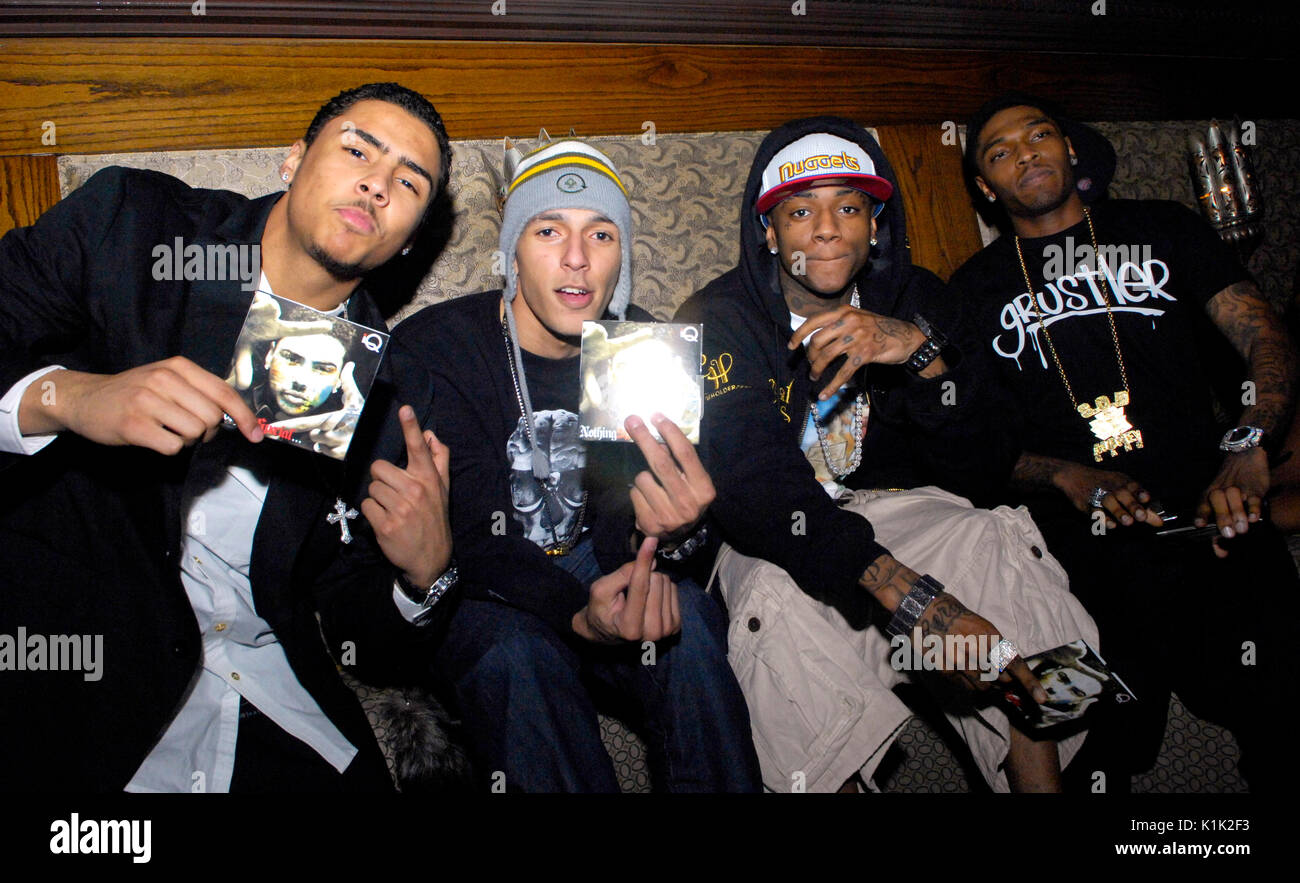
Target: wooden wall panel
{"type": "Point", "coordinates": [28, 186]}
{"type": "Point", "coordinates": [941, 223]}
{"type": "Point", "coordinates": [105, 94]}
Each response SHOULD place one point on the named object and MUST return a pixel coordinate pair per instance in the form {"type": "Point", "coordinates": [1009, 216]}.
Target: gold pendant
{"type": "Point", "coordinates": [1108, 423]}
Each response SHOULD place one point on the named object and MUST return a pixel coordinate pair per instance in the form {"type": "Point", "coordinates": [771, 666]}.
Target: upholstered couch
{"type": "Point", "coordinates": [685, 195]}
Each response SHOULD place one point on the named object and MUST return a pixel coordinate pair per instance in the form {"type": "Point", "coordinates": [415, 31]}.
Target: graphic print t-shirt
{"type": "Point", "coordinates": [836, 418]}
{"type": "Point", "coordinates": [548, 511]}
{"type": "Point", "coordinates": [1161, 264]}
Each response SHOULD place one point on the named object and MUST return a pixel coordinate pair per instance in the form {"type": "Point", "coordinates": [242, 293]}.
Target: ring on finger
{"type": "Point", "coordinates": [1096, 495]}
{"type": "Point", "coordinates": [1002, 654]}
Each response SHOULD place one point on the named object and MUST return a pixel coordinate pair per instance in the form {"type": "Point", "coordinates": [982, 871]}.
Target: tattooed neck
{"type": "Point", "coordinates": [804, 303]}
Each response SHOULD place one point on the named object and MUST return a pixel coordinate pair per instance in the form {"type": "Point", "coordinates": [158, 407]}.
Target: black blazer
{"type": "Point", "coordinates": [89, 534]}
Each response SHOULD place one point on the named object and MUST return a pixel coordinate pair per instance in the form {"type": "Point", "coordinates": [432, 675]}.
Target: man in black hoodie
{"type": "Point", "coordinates": [801, 439]}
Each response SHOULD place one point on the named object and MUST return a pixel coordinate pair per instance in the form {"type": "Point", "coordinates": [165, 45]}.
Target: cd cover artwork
{"type": "Point", "coordinates": [639, 368]}
{"type": "Point", "coordinates": [304, 374]}
{"type": "Point", "coordinates": [1076, 678]}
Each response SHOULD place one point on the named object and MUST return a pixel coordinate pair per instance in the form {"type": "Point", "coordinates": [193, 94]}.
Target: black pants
{"type": "Point", "coordinates": [1173, 617]}
{"type": "Point", "coordinates": [269, 760]}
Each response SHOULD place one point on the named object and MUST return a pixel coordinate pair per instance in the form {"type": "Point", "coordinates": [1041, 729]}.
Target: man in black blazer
{"type": "Point", "coordinates": [190, 561]}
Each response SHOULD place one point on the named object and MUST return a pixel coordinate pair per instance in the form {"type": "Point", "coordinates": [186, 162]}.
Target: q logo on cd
{"type": "Point", "coordinates": [372, 342]}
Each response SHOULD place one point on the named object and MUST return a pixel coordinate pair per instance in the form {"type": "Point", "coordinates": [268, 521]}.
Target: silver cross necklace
{"type": "Point", "coordinates": [341, 516]}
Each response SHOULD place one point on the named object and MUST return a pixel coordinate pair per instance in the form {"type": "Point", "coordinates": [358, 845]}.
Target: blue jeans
{"type": "Point", "coordinates": [525, 697]}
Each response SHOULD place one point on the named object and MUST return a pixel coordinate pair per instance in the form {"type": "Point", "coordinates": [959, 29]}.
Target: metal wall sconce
{"type": "Point", "coordinates": [1223, 180]}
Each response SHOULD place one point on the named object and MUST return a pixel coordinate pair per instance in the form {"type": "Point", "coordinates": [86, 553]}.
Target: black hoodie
{"type": "Point", "coordinates": [757, 394]}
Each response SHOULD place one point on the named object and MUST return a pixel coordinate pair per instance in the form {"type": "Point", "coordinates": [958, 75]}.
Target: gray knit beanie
{"type": "Point", "coordinates": [562, 175]}
{"type": "Point", "coordinates": [567, 174]}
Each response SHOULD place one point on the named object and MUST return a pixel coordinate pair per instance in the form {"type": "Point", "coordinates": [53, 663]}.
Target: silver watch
{"type": "Point", "coordinates": [689, 546]}
{"type": "Point", "coordinates": [427, 597]}
{"type": "Point", "coordinates": [929, 349]}
{"type": "Point", "coordinates": [1243, 438]}
{"type": "Point", "coordinates": [924, 590]}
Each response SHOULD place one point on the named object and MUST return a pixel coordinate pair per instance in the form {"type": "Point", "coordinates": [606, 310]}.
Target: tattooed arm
{"type": "Point", "coordinates": [1035, 472]}
{"type": "Point", "coordinates": [1125, 502]}
{"type": "Point", "coordinates": [1234, 499]}
{"type": "Point", "coordinates": [889, 580]}
{"type": "Point", "coordinates": [1257, 333]}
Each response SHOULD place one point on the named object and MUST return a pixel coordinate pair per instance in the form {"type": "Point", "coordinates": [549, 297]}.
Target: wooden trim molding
{"type": "Point", "coordinates": [102, 94]}
{"type": "Point", "coordinates": [28, 186]}
{"type": "Point", "coordinates": [941, 225]}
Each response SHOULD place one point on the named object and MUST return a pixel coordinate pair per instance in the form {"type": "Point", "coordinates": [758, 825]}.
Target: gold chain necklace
{"type": "Point", "coordinates": [1106, 418]}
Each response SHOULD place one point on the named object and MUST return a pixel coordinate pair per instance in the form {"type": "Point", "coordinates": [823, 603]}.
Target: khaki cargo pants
{"type": "Point", "coordinates": [819, 691]}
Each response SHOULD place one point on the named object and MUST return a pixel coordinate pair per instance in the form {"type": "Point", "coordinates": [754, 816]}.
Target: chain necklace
{"type": "Point", "coordinates": [564, 545]}
{"type": "Point", "coordinates": [341, 513]}
{"type": "Point", "coordinates": [1106, 418]}
{"type": "Point", "coordinates": [857, 424]}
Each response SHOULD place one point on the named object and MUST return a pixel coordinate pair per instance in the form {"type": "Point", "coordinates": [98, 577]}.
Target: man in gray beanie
{"type": "Point", "coordinates": [571, 582]}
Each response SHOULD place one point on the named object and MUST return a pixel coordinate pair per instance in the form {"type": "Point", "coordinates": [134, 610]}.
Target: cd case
{"type": "Point", "coordinates": [304, 374]}
{"type": "Point", "coordinates": [1076, 679]}
{"type": "Point", "coordinates": [639, 368]}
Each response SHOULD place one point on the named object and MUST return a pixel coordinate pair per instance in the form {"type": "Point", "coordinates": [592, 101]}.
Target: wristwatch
{"type": "Point", "coordinates": [688, 547]}
{"type": "Point", "coordinates": [427, 597]}
{"type": "Point", "coordinates": [909, 610]}
{"type": "Point", "coordinates": [1243, 438]}
{"type": "Point", "coordinates": [928, 351]}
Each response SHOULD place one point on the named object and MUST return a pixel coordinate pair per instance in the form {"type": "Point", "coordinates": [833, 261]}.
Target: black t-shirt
{"type": "Point", "coordinates": [553, 384]}
{"type": "Point", "coordinates": [549, 511]}
{"type": "Point", "coordinates": [1161, 265]}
